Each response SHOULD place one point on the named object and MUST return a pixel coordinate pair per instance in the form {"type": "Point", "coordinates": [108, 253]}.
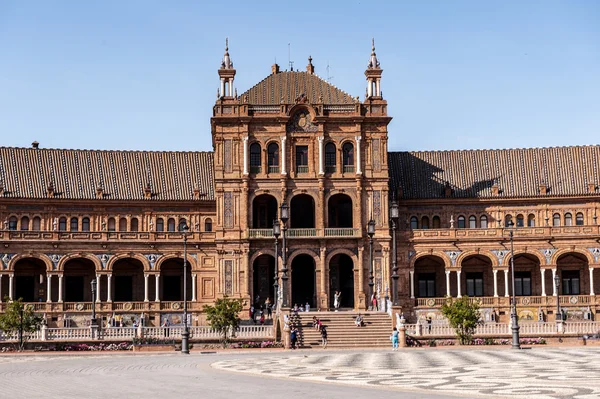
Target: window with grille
{"type": "Point", "coordinates": [570, 282]}
{"type": "Point", "coordinates": [522, 283]}
{"type": "Point", "coordinates": [255, 158]}
{"type": "Point", "coordinates": [301, 159]}
{"type": "Point", "coordinates": [414, 223]}
{"type": "Point", "coordinates": [348, 157]}
{"type": "Point", "coordinates": [74, 224]}
{"type": "Point", "coordinates": [330, 158]}
{"type": "Point", "coordinates": [273, 157]}
{"type": "Point", "coordinates": [474, 284]}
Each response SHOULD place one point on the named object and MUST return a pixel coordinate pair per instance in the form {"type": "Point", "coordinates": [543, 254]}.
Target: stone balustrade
{"type": "Point", "coordinates": [99, 236]}
{"type": "Point", "coordinates": [337, 232]}
{"type": "Point", "coordinates": [425, 235]}
{"type": "Point", "coordinates": [527, 329]}
{"type": "Point", "coordinates": [499, 301]}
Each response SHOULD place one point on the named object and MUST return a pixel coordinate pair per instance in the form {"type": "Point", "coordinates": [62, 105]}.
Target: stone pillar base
{"type": "Point", "coordinates": [402, 337]}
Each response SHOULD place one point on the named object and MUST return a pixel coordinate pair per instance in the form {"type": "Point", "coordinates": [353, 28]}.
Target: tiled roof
{"type": "Point", "coordinates": [122, 175]}
{"type": "Point", "coordinates": [566, 171]}
{"type": "Point", "coordinates": [290, 85]}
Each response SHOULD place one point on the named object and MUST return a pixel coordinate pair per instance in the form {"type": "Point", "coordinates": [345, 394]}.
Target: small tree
{"type": "Point", "coordinates": [223, 316]}
{"type": "Point", "coordinates": [463, 315]}
{"type": "Point", "coordinates": [19, 319]}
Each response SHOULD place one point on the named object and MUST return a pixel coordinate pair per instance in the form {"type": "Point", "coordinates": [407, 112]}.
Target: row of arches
{"type": "Point", "coordinates": [302, 211]}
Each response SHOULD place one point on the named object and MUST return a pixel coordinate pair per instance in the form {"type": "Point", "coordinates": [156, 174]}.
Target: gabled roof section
{"type": "Point", "coordinates": [565, 171]}
{"type": "Point", "coordinates": [286, 87]}
{"type": "Point", "coordinates": [117, 175]}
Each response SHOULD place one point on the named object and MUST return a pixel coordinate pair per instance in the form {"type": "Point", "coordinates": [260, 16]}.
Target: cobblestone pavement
{"type": "Point", "coordinates": [540, 372]}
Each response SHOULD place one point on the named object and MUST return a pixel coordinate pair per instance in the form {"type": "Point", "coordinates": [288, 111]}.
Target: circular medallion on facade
{"type": "Point", "coordinates": [176, 306]}
{"type": "Point", "coordinates": [431, 302]}
{"type": "Point", "coordinates": [302, 120]}
{"type": "Point", "coordinates": [525, 301]}
{"type": "Point", "coordinates": [128, 306]}
{"type": "Point", "coordinates": [79, 306]}
{"type": "Point", "coordinates": [573, 300]}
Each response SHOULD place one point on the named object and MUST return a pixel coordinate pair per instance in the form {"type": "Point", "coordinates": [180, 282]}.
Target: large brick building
{"type": "Point", "coordinates": [73, 216]}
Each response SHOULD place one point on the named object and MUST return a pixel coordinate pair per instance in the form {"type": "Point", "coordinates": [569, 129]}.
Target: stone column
{"type": "Point", "coordinates": [370, 88]}
{"type": "Point", "coordinates": [412, 284]}
{"type": "Point", "coordinates": [109, 288]}
{"type": "Point", "coordinates": [495, 282]}
{"type": "Point", "coordinates": [194, 287]}
{"type": "Point", "coordinates": [146, 276]}
{"type": "Point", "coordinates": [447, 282]}
{"type": "Point", "coordinates": [223, 87]}
{"type": "Point", "coordinates": [458, 273]}
{"type": "Point", "coordinates": [97, 287]}
{"type": "Point", "coordinates": [361, 274]}
{"type": "Point", "coordinates": [592, 281]}
{"type": "Point", "coordinates": [543, 272]}
{"type": "Point", "coordinates": [246, 155]}
{"type": "Point", "coordinates": [321, 155]}
{"type": "Point", "coordinates": [11, 279]}
{"type": "Point", "coordinates": [358, 164]}
{"type": "Point", "coordinates": [506, 283]}
{"type": "Point", "coordinates": [283, 171]}
{"type": "Point", "coordinates": [324, 288]}
{"type": "Point", "coordinates": [49, 290]}
{"type": "Point", "coordinates": [157, 283]}
{"type": "Point", "coordinates": [230, 87]}
{"type": "Point", "coordinates": [554, 291]}
{"type": "Point", "coordinates": [378, 87]}
{"type": "Point", "coordinates": [60, 288]}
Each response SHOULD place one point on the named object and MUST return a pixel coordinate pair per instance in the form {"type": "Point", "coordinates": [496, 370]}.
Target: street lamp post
{"type": "Point", "coordinates": [93, 321]}
{"type": "Point", "coordinates": [557, 286]}
{"type": "Point", "coordinates": [185, 336]}
{"type": "Point", "coordinates": [284, 215]}
{"type": "Point", "coordinates": [394, 216]}
{"type": "Point", "coordinates": [513, 310]}
{"type": "Point", "coordinates": [276, 234]}
{"type": "Point", "coordinates": [371, 233]}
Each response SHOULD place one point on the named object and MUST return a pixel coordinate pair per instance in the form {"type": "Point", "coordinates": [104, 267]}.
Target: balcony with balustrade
{"type": "Point", "coordinates": [350, 232]}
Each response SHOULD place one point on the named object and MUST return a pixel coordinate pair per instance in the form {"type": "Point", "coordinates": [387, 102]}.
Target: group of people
{"type": "Point", "coordinates": [258, 310]}
{"type": "Point", "coordinates": [305, 308]}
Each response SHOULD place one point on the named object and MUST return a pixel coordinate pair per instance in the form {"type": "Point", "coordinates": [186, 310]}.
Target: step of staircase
{"type": "Point", "coordinates": [341, 330]}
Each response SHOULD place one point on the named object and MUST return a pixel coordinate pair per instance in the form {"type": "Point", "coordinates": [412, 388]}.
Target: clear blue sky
{"type": "Point", "coordinates": [143, 74]}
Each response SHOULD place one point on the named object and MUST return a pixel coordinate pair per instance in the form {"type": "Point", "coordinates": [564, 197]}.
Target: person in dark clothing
{"type": "Point", "coordinates": [294, 337]}
{"type": "Point", "coordinates": [324, 337]}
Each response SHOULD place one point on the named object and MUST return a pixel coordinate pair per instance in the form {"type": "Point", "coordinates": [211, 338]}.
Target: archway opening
{"type": "Point", "coordinates": [171, 276]}
{"type": "Point", "coordinates": [477, 276]}
{"type": "Point", "coordinates": [264, 211]}
{"type": "Point", "coordinates": [262, 279]}
{"type": "Point", "coordinates": [527, 276]}
{"type": "Point", "coordinates": [303, 280]}
{"type": "Point", "coordinates": [340, 211]}
{"type": "Point", "coordinates": [128, 277]}
{"type": "Point", "coordinates": [30, 279]}
{"type": "Point", "coordinates": [573, 273]}
{"type": "Point", "coordinates": [302, 209]}
{"type": "Point", "coordinates": [341, 278]}
{"type": "Point", "coordinates": [79, 273]}
{"type": "Point", "coordinates": [429, 277]}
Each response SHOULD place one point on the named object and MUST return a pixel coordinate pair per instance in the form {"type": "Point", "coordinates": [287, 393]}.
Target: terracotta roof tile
{"type": "Point", "coordinates": [566, 171]}
{"type": "Point", "coordinates": [290, 85]}
{"type": "Point", "coordinates": [123, 175]}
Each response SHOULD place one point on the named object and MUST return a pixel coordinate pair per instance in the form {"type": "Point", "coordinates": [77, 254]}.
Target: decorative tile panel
{"type": "Point", "coordinates": [375, 144]}
{"type": "Point", "coordinates": [500, 254]}
{"type": "Point", "coordinates": [377, 207]}
{"type": "Point", "coordinates": [227, 156]}
{"type": "Point", "coordinates": [228, 290]}
{"type": "Point", "coordinates": [4, 260]}
{"type": "Point", "coordinates": [228, 209]}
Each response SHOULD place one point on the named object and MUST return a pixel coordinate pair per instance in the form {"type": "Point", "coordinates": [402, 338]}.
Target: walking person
{"type": "Point", "coordinates": [294, 337]}
{"type": "Point", "coordinates": [268, 307]}
{"type": "Point", "coordinates": [252, 311]}
{"type": "Point", "coordinates": [324, 337]}
{"type": "Point", "coordinates": [394, 339]}
{"type": "Point", "coordinates": [374, 301]}
{"type": "Point", "coordinates": [166, 325]}
{"type": "Point", "coordinates": [336, 300]}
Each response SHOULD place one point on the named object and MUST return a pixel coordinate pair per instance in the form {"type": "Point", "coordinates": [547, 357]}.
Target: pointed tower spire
{"type": "Point", "coordinates": [373, 63]}
{"type": "Point", "coordinates": [310, 68]}
{"type": "Point", "coordinates": [227, 73]}
{"type": "Point", "coordinates": [373, 74]}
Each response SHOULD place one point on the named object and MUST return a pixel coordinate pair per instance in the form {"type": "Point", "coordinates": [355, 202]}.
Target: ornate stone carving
{"type": "Point", "coordinates": [152, 258]}
{"type": "Point", "coordinates": [453, 255]}
{"type": "Point", "coordinates": [500, 254]}
{"type": "Point", "coordinates": [595, 253]}
{"type": "Point", "coordinates": [4, 260]}
{"type": "Point", "coordinates": [104, 258]}
{"type": "Point", "coordinates": [548, 254]}
{"type": "Point", "coordinates": [228, 209]}
{"type": "Point", "coordinates": [55, 258]}
{"type": "Point", "coordinates": [228, 265]}
{"type": "Point", "coordinates": [301, 122]}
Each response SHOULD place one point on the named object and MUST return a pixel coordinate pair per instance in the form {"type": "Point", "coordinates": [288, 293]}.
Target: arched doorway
{"type": "Point", "coordinates": [171, 280]}
{"type": "Point", "coordinates": [263, 271]}
{"type": "Point", "coordinates": [339, 208]}
{"type": "Point", "coordinates": [303, 280]}
{"type": "Point", "coordinates": [341, 278]}
{"type": "Point", "coordinates": [302, 212]}
{"type": "Point", "coordinates": [128, 280]}
{"type": "Point", "coordinates": [573, 272]}
{"type": "Point", "coordinates": [264, 211]}
{"type": "Point", "coordinates": [429, 277]}
{"type": "Point", "coordinates": [30, 280]}
{"type": "Point", "coordinates": [477, 276]}
{"type": "Point", "coordinates": [78, 274]}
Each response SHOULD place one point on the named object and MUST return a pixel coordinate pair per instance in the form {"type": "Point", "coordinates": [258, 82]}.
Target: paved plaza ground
{"type": "Point", "coordinates": [436, 373]}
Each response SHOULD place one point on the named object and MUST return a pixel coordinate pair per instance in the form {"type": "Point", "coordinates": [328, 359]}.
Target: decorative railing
{"type": "Point", "coordinates": [264, 109]}
{"type": "Point", "coordinates": [348, 169]}
{"type": "Point", "coordinates": [69, 334]}
{"type": "Point", "coordinates": [342, 232]}
{"type": "Point", "coordinates": [448, 234]}
{"type": "Point", "coordinates": [307, 233]}
{"type": "Point", "coordinates": [273, 169]}
{"type": "Point", "coordinates": [301, 169]}
{"type": "Point", "coordinates": [260, 233]}
{"type": "Point", "coordinates": [504, 329]}
{"type": "Point", "coordinates": [302, 233]}
{"type": "Point", "coordinates": [151, 236]}
{"type": "Point", "coordinates": [334, 109]}
{"type": "Point", "coordinates": [549, 300]}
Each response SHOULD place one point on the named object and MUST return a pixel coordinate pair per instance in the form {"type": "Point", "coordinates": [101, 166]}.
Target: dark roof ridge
{"type": "Point", "coordinates": [104, 150]}
{"type": "Point", "coordinates": [498, 149]}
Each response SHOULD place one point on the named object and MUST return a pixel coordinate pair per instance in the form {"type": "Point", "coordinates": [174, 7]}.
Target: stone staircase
{"type": "Point", "coordinates": [341, 331]}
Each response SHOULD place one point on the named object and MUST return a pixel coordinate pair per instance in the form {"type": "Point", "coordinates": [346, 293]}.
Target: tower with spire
{"type": "Point", "coordinates": [226, 73]}
{"type": "Point", "coordinates": [373, 74]}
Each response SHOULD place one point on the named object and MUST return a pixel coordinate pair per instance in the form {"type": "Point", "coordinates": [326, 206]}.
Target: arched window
{"type": "Point", "coordinates": [579, 219]}
{"type": "Point", "coordinates": [24, 223]}
{"type": "Point", "coordinates": [414, 223]}
{"type": "Point", "coordinates": [160, 224]}
{"type": "Point", "coordinates": [123, 224]}
{"type": "Point", "coordinates": [436, 222]}
{"type": "Point", "coordinates": [62, 224]}
{"type": "Point", "coordinates": [461, 222]}
{"type": "Point", "coordinates": [171, 224]}
{"type": "Point", "coordinates": [472, 222]}
{"type": "Point", "coordinates": [348, 158]}
{"type": "Point", "coordinates": [74, 224]}
{"type": "Point", "coordinates": [531, 220]}
{"type": "Point", "coordinates": [37, 224]}
{"type": "Point", "coordinates": [182, 224]}
{"type": "Point", "coordinates": [135, 224]}
{"type": "Point", "coordinates": [556, 219]}
{"type": "Point", "coordinates": [508, 221]}
{"type": "Point", "coordinates": [424, 222]}
{"type": "Point", "coordinates": [112, 225]}
{"type": "Point", "coordinates": [12, 223]}
{"type": "Point", "coordinates": [520, 221]}
{"type": "Point", "coordinates": [273, 157]}
{"type": "Point", "coordinates": [483, 222]}
{"type": "Point", "coordinates": [208, 225]}
{"type": "Point", "coordinates": [329, 158]}
{"type": "Point", "coordinates": [85, 224]}
{"type": "Point", "coordinates": [255, 158]}
{"type": "Point", "coordinates": [568, 219]}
